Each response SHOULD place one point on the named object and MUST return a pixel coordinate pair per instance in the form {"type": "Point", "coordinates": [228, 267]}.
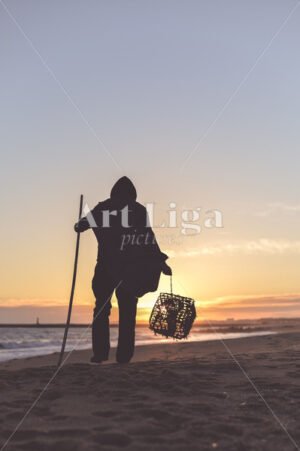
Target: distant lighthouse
{"type": "Point", "coordinates": [37, 321]}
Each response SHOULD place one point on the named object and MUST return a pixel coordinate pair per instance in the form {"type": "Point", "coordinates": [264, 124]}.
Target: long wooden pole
{"type": "Point", "coordinates": [72, 289]}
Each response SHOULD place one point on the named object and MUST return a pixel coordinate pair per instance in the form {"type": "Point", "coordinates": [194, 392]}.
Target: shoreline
{"type": "Point", "coordinates": [171, 350]}
{"type": "Point", "coordinates": [33, 341]}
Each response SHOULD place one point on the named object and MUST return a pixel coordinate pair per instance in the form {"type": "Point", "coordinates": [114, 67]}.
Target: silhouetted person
{"type": "Point", "coordinates": [129, 261]}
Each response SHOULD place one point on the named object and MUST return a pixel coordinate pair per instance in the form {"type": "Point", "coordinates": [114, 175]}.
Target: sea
{"type": "Point", "coordinates": [22, 342]}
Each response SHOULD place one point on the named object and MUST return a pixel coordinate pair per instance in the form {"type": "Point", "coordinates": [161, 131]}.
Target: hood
{"type": "Point", "coordinates": [123, 190]}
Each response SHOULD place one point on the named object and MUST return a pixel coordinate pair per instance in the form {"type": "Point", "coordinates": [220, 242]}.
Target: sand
{"type": "Point", "coordinates": [190, 396]}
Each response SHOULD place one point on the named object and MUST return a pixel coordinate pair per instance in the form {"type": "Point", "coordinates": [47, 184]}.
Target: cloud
{"type": "Point", "coordinates": [254, 300]}
{"type": "Point", "coordinates": [243, 306]}
{"type": "Point", "coordinates": [32, 302]}
{"type": "Point", "coordinates": [262, 246]}
{"type": "Point", "coordinates": [276, 208]}
{"type": "Point", "coordinates": [286, 305]}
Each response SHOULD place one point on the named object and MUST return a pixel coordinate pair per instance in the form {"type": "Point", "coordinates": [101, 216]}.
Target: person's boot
{"type": "Point", "coordinates": [123, 357]}
{"type": "Point", "coordinates": [97, 360]}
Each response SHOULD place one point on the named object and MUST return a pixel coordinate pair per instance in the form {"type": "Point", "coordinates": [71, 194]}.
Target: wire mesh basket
{"type": "Point", "coordinates": [172, 315]}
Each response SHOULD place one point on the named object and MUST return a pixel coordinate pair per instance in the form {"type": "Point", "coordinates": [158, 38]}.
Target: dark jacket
{"type": "Point", "coordinates": [126, 246]}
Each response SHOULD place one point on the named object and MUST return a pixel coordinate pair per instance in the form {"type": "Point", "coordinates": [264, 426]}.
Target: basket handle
{"type": "Point", "coordinates": [171, 284]}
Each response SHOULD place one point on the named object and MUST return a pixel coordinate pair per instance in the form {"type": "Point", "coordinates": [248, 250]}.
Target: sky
{"type": "Point", "coordinates": [197, 102]}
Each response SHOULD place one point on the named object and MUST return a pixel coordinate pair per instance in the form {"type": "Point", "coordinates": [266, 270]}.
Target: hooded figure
{"type": "Point", "coordinates": [129, 261]}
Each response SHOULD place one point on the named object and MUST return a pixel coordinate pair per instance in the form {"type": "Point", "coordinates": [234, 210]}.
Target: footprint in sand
{"type": "Point", "coordinates": [52, 395]}
{"type": "Point", "coordinates": [145, 431]}
{"type": "Point", "coordinates": [27, 434]}
{"type": "Point", "coordinates": [228, 429]}
{"type": "Point", "coordinates": [65, 445]}
{"type": "Point", "coordinates": [69, 432]}
{"type": "Point", "coordinates": [135, 405]}
{"type": "Point", "coordinates": [247, 420]}
{"type": "Point", "coordinates": [41, 411]}
{"type": "Point", "coordinates": [105, 414]}
{"type": "Point", "coordinates": [59, 418]}
{"type": "Point", "coordinates": [14, 416]}
{"type": "Point", "coordinates": [293, 374]}
{"type": "Point", "coordinates": [19, 403]}
{"type": "Point", "coordinates": [113, 439]}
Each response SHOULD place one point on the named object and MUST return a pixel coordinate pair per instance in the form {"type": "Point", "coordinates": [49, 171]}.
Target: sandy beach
{"type": "Point", "coordinates": [195, 396]}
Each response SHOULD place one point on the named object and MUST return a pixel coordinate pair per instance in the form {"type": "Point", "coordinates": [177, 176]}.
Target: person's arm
{"type": "Point", "coordinates": [166, 269]}
{"type": "Point", "coordinates": [91, 220]}
{"type": "Point", "coordinates": [82, 225]}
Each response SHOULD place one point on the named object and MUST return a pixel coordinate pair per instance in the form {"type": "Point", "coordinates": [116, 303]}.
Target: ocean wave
{"type": "Point", "coordinates": [20, 343]}
{"type": "Point", "coordinates": [28, 344]}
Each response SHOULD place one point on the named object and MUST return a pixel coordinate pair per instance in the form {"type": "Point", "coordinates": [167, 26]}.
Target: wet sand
{"type": "Point", "coordinates": [179, 396]}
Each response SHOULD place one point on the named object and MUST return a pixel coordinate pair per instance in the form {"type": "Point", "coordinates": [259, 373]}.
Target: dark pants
{"type": "Point", "coordinates": [104, 283]}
